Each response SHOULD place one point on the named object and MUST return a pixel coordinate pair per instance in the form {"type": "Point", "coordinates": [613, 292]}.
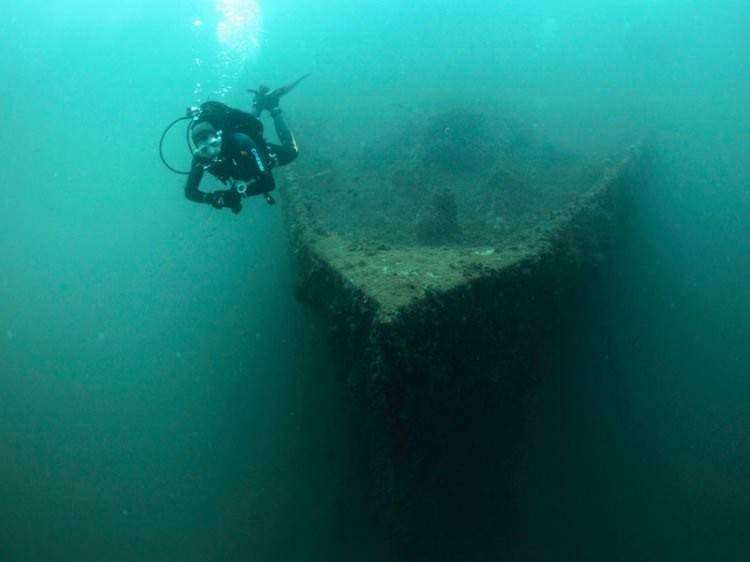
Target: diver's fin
{"type": "Point", "coordinates": [284, 90]}
{"type": "Point", "coordinates": [279, 92]}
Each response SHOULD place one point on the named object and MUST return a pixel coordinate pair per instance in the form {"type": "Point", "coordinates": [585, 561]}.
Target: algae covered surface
{"type": "Point", "coordinates": [457, 178]}
{"type": "Point", "coordinates": [468, 194]}
{"type": "Point", "coordinates": [395, 276]}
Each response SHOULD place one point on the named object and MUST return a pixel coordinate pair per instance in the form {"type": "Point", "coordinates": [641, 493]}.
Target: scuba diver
{"type": "Point", "coordinates": [228, 143]}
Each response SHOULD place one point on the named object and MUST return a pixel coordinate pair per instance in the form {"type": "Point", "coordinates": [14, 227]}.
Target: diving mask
{"type": "Point", "coordinates": [209, 146]}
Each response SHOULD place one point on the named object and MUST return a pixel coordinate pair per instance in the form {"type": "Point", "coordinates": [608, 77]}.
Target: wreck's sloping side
{"type": "Point", "coordinates": [441, 346]}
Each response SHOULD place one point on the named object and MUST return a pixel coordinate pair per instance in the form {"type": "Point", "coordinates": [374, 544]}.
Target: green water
{"type": "Point", "coordinates": [163, 397]}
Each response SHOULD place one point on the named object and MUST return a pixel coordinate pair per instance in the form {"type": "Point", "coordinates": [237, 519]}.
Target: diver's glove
{"type": "Point", "coordinates": [225, 198]}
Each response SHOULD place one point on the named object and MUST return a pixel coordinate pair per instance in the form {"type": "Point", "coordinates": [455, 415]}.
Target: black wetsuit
{"type": "Point", "coordinates": [245, 157]}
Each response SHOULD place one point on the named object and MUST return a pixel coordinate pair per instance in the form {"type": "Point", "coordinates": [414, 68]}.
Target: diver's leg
{"type": "Point", "coordinates": [258, 101]}
{"type": "Point", "coordinates": [286, 136]}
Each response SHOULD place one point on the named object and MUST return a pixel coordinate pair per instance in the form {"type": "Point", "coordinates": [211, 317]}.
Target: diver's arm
{"type": "Point", "coordinates": [193, 181]}
{"type": "Point", "coordinates": [264, 184]}
{"type": "Point", "coordinates": [220, 199]}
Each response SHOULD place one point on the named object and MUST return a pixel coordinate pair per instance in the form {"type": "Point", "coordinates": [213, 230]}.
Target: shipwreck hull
{"type": "Point", "coordinates": [442, 333]}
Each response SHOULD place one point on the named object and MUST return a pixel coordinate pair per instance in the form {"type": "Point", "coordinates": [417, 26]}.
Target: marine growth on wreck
{"type": "Point", "coordinates": [440, 262]}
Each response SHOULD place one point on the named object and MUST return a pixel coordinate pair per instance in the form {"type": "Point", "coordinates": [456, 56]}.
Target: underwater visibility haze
{"type": "Point", "coordinates": [164, 397]}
